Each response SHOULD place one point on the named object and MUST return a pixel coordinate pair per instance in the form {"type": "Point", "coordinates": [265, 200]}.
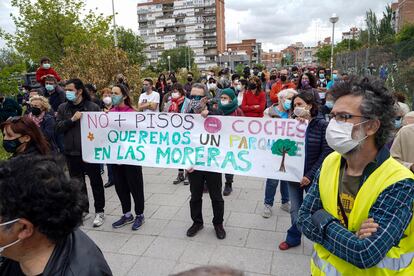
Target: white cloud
{"type": "Point", "coordinates": [275, 23]}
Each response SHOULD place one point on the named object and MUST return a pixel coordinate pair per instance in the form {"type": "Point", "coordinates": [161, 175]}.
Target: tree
{"type": "Point", "coordinates": [324, 54]}
{"type": "Point", "coordinates": [47, 27]}
{"type": "Point", "coordinates": [239, 69]}
{"type": "Point", "coordinates": [178, 59]}
{"type": "Point", "coordinates": [97, 64]}
{"type": "Point", "coordinates": [406, 33]}
{"type": "Point", "coordinates": [132, 44]}
{"type": "Point", "coordinates": [12, 66]}
{"type": "Point", "coordinates": [282, 147]}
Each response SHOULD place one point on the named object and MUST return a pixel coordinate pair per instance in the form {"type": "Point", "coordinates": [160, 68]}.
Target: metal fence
{"type": "Point", "coordinates": [393, 63]}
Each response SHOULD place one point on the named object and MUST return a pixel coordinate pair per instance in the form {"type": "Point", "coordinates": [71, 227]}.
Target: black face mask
{"type": "Point", "coordinates": [190, 79]}
{"type": "Point", "coordinates": [252, 86]}
{"type": "Point", "coordinates": [36, 111]}
{"type": "Point", "coordinates": [11, 145]}
{"type": "Point", "coordinates": [283, 78]}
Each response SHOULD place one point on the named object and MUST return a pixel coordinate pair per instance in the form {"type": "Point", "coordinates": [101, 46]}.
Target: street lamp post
{"type": "Point", "coordinates": [169, 64]}
{"type": "Point", "coordinates": [333, 20]}
{"type": "Point", "coordinates": [229, 53]}
{"type": "Point", "coordinates": [220, 59]}
{"type": "Point", "coordinates": [113, 14]}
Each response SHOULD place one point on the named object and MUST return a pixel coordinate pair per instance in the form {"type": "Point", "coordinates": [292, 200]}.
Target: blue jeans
{"type": "Point", "coordinates": [270, 191]}
{"type": "Point", "coordinates": [294, 236]}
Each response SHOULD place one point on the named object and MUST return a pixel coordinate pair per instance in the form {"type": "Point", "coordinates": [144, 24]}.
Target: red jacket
{"type": "Point", "coordinates": [238, 112]}
{"type": "Point", "coordinates": [40, 72]}
{"type": "Point", "coordinates": [250, 100]}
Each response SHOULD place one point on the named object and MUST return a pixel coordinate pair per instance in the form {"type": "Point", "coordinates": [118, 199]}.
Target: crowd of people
{"type": "Point", "coordinates": [358, 171]}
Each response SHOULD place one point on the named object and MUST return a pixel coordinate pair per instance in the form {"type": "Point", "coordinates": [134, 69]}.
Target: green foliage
{"type": "Point", "coordinates": [132, 44]}
{"type": "Point", "coordinates": [179, 59]}
{"type": "Point", "coordinates": [378, 32]}
{"type": "Point", "coordinates": [12, 66]}
{"type": "Point", "coordinates": [98, 64]}
{"type": "Point", "coordinates": [323, 54]}
{"type": "Point", "coordinates": [4, 155]}
{"type": "Point", "coordinates": [260, 66]}
{"type": "Point", "coordinates": [284, 146]}
{"type": "Point", "coordinates": [406, 33]}
{"type": "Point", "coordinates": [239, 69]}
{"type": "Point", "coordinates": [48, 27]}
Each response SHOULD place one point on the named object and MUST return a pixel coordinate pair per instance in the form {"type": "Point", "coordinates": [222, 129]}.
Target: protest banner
{"type": "Point", "coordinates": [259, 147]}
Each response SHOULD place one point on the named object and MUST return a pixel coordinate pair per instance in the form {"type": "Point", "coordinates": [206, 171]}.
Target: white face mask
{"type": "Point", "coordinates": [212, 86]}
{"type": "Point", "coordinates": [239, 87]}
{"type": "Point", "coordinates": [224, 102]}
{"type": "Point", "coordinates": [175, 95]}
{"type": "Point", "coordinates": [107, 100]}
{"type": "Point", "coordinates": [10, 244]}
{"type": "Point", "coordinates": [339, 136]}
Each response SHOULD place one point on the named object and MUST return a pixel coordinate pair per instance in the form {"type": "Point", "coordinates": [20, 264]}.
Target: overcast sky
{"type": "Point", "coordinates": [275, 23]}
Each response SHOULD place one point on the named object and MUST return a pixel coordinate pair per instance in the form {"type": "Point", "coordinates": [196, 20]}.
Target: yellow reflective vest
{"type": "Point", "coordinates": [400, 259]}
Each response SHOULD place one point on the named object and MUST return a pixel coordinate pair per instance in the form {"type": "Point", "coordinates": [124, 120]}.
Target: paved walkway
{"type": "Point", "coordinates": [161, 246]}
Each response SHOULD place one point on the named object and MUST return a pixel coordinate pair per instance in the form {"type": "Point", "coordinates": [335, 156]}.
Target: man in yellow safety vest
{"type": "Point", "coordinates": [359, 210]}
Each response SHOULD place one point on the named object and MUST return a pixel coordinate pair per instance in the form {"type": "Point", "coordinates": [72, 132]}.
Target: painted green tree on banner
{"type": "Point", "coordinates": [282, 147]}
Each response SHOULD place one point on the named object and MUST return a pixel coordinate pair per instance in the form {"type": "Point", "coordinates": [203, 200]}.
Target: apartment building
{"type": "Point", "coordinates": [169, 24]}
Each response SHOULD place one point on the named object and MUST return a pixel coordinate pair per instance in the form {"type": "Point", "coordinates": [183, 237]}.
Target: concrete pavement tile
{"type": "Point", "coordinates": [265, 240]}
{"type": "Point", "coordinates": [167, 200]}
{"type": "Point", "coordinates": [181, 267]}
{"type": "Point", "coordinates": [283, 224]}
{"type": "Point", "coordinates": [290, 265]}
{"type": "Point", "coordinates": [137, 245]}
{"type": "Point", "coordinates": [175, 229]}
{"type": "Point", "coordinates": [251, 260]}
{"type": "Point", "coordinates": [241, 206]}
{"type": "Point", "coordinates": [276, 211]}
{"type": "Point", "coordinates": [152, 227]}
{"type": "Point", "coordinates": [166, 212]}
{"type": "Point", "coordinates": [164, 188]}
{"type": "Point", "coordinates": [166, 248]}
{"type": "Point", "coordinates": [152, 267]}
{"type": "Point", "coordinates": [120, 264]}
{"type": "Point", "coordinates": [107, 241]}
{"type": "Point", "coordinates": [251, 221]}
{"type": "Point", "coordinates": [198, 253]}
{"type": "Point", "coordinates": [251, 194]}
{"type": "Point", "coordinates": [234, 237]}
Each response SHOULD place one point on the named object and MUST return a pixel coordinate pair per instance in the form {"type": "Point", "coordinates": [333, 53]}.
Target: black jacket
{"type": "Point", "coordinates": [48, 129]}
{"type": "Point", "coordinates": [76, 255]}
{"type": "Point", "coordinates": [71, 130]}
{"type": "Point", "coordinates": [9, 108]}
{"type": "Point", "coordinates": [316, 147]}
{"type": "Point", "coordinates": [56, 97]}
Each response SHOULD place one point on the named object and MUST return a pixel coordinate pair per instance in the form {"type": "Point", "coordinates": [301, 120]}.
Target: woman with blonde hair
{"type": "Point", "coordinates": [40, 114]}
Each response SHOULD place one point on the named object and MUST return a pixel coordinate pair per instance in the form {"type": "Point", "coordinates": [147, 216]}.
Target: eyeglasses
{"type": "Point", "coordinates": [343, 117]}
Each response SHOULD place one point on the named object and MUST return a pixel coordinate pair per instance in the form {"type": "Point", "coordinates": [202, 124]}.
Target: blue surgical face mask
{"type": "Point", "coordinates": [116, 99]}
{"type": "Point", "coordinates": [46, 65]}
{"type": "Point", "coordinates": [321, 76]}
{"type": "Point", "coordinates": [397, 123]}
{"type": "Point", "coordinates": [329, 104]}
{"type": "Point", "coordinates": [287, 105]}
{"type": "Point", "coordinates": [335, 77]}
{"type": "Point", "coordinates": [49, 87]}
{"type": "Point", "coordinates": [70, 95]}
{"type": "Point", "coordinates": [197, 98]}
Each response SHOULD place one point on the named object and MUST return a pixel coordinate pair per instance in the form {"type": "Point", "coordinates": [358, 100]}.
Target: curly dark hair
{"type": "Point", "coordinates": [377, 103]}
{"type": "Point", "coordinates": [36, 188]}
{"type": "Point", "coordinates": [312, 81]}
